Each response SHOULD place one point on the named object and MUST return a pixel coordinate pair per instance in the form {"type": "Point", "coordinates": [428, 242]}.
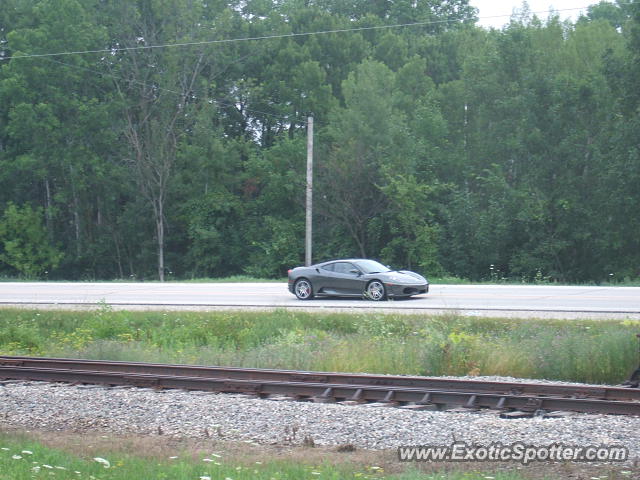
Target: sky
{"type": "Point", "coordinates": [495, 8]}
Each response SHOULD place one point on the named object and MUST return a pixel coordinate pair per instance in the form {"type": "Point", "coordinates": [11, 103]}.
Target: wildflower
{"type": "Point", "coordinates": [204, 477]}
{"type": "Point", "coordinates": [207, 460]}
{"type": "Point", "coordinates": [35, 469]}
{"type": "Point", "coordinates": [4, 448]}
{"type": "Point", "coordinates": [47, 466]}
{"type": "Point", "coordinates": [103, 461]}
{"type": "Point", "coordinates": [16, 457]}
{"type": "Point", "coordinates": [27, 452]}
{"type": "Point", "coordinates": [216, 455]}
{"type": "Point", "coordinates": [172, 458]}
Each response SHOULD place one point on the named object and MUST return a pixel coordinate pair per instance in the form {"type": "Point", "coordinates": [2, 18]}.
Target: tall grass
{"type": "Point", "coordinates": [589, 351]}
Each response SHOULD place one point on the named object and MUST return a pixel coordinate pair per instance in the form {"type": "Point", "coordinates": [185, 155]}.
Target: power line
{"type": "Point", "coordinates": [272, 37]}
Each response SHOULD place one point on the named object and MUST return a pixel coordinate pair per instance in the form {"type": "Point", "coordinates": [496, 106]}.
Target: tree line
{"type": "Point", "coordinates": [167, 138]}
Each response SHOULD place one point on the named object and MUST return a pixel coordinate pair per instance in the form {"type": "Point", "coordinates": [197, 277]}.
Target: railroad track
{"type": "Point", "coordinates": [419, 392]}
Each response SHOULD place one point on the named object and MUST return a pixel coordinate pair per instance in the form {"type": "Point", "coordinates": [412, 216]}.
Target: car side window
{"type": "Point", "coordinates": [345, 268]}
{"type": "Point", "coordinates": [329, 267]}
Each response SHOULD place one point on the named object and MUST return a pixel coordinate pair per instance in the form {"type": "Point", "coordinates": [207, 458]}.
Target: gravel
{"type": "Point", "coordinates": [58, 407]}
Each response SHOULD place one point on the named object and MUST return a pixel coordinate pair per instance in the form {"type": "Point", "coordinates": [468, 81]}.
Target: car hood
{"type": "Point", "coordinates": [404, 276]}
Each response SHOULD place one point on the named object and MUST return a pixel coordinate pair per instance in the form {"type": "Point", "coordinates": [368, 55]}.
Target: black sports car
{"type": "Point", "coordinates": [354, 278]}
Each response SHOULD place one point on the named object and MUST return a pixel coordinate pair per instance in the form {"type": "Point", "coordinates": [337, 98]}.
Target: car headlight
{"type": "Point", "coordinates": [402, 280]}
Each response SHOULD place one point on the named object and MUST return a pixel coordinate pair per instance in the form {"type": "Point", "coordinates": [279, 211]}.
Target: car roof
{"type": "Point", "coordinates": [342, 260]}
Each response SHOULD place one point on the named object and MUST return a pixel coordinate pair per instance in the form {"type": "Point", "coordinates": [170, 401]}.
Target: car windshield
{"type": "Point", "coordinates": [371, 266]}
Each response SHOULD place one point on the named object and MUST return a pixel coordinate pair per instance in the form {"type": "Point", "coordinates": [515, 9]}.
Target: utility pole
{"type": "Point", "coordinates": [308, 230]}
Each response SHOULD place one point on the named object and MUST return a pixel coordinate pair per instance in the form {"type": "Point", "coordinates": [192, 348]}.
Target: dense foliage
{"type": "Point", "coordinates": [441, 146]}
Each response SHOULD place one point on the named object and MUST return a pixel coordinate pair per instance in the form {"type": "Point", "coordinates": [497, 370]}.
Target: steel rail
{"type": "Point", "coordinates": [314, 387]}
{"type": "Point", "coordinates": [325, 392]}
{"type": "Point", "coordinates": [624, 394]}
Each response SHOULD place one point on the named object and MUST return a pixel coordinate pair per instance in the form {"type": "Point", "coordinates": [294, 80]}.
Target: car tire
{"type": "Point", "coordinates": [303, 289]}
{"type": "Point", "coordinates": [375, 291]}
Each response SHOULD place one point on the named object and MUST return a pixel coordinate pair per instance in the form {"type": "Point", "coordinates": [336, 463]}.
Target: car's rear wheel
{"type": "Point", "coordinates": [303, 289]}
{"type": "Point", "coordinates": [375, 291]}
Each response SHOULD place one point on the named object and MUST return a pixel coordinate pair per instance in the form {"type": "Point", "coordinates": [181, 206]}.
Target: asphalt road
{"type": "Point", "coordinates": [479, 300]}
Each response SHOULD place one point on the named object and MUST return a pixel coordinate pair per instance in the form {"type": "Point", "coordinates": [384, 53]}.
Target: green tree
{"type": "Point", "coordinates": [366, 137]}
{"type": "Point", "coordinates": [157, 90]}
{"type": "Point", "coordinates": [56, 126]}
{"type": "Point", "coordinates": [25, 242]}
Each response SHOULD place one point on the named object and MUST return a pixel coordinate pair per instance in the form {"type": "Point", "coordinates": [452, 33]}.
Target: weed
{"type": "Point", "coordinates": [590, 351]}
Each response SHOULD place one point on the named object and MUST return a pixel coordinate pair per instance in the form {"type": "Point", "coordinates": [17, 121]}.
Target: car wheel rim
{"type": "Point", "coordinates": [375, 291]}
{"type": "Point", "coordinates": [303, 289]}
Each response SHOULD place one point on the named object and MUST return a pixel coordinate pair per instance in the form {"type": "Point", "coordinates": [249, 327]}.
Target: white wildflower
{"type": "Point", "coordinates": [103, 461]}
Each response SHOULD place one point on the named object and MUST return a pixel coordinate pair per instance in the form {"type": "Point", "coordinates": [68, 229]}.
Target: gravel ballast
{"type": "Point", "coordinates": [61, 407]}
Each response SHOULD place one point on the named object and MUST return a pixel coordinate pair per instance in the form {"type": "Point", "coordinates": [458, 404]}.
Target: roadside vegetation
{"type": "Point", "coordinates": [604, 351]}
{"type": "Point", "coordinates": [443, 280]}
{"type": "Point", "coordinates": [25, 457]}
{"type": "Point", "coordinates": [444, 147]}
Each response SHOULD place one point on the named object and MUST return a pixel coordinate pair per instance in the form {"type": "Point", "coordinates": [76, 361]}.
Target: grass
{"type": "Point", "coordinates": [23, 457]}
{"type": "Point", "coordinates": [592, 351]}
{"type": "Point", "coordinates": [169, 278]}
{"type": "Point", "coordinates": [491, 279]}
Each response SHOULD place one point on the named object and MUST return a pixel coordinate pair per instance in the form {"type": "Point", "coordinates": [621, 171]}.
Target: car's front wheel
{"type": "Point", "coordinates": [375, 291]}
{"type": "Point", "coordinates": [303, 289]}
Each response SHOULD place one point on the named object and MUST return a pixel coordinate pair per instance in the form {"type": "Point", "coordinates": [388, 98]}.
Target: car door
{"type": "Point", "coordinates": [324, 280]}
{"type": "Point", "coordinates": [347, 279]}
